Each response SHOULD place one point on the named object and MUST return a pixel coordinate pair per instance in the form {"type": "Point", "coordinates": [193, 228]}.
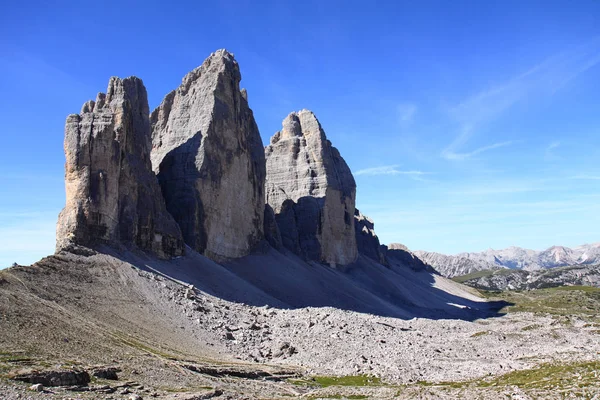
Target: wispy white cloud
{"type": "Point", "coordinates": [549, 152]}
{"type": "Point", "coordinates": [406, 112]}
{"type": "Point", "coordinates": [547, 77]}
{"type": "Point", "coordinates": [390, 170]}
{"type": "Point", "coordinates": [450, 155]}
{"type": "Point", "coordinates": [586, 177]}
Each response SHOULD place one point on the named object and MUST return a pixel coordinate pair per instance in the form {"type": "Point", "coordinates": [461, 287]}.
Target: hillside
{"type": "Point", "coordinates": [241, 333]}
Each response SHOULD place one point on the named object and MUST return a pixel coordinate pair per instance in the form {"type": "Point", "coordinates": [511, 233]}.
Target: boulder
{"type": "Point", "coordinates": [366, 239]}
{"type": "Point", "coordinates": [209, 159]}
{"type": "Point", "coordinates": [112, 194]}
{"type": "Point", "coordinates": [311, 191]}
{"type": "Point", "coordinates": [55, 378]}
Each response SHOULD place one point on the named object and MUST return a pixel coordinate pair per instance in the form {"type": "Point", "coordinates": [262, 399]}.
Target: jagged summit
{"type": "Point", "coordinates": [209, 158]}
{"type": "Point", "coordinates": [312, 191]}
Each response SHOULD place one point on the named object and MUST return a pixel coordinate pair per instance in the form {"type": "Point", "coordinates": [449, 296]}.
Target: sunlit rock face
{"type": "Point", "coordinates": [209, 159]}
{"type": "Point", "coordinates": [311, 191]}
{"type": "Point", "coordinates": [113, 196]}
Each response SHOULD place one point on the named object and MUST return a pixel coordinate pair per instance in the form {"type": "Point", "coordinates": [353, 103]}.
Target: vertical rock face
{"type": "Point", "coordinates": [312, 191]}
{"type": "Point", "coordinates": [112, 194]}
{"type": "Point", "coordinates": [209, 158]}
{"type": "Point", "coordinates": [366, 239]}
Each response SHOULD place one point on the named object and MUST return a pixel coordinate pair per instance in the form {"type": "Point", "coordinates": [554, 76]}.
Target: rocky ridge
{"type": "Point", "coordinates": [112, 195]}
{"type": "Point", "coordinates": [512, 257]}
{"type": "Point", "coordinates": [515, 279]}
{"type": "Point", "coordinates": [311, 191]}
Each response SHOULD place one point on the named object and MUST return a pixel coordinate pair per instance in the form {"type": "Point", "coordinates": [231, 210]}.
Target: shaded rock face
{"type": "Point", "coordinates": [367, 241]}
{"type": "Point", "coordinates": [400, 254]}
{"type": "Point", "coordinates": [312, 192]}
{"type": "Point", "coordinates": [112, 194]}
{"type": "Point", "coordinates": [209, 158]}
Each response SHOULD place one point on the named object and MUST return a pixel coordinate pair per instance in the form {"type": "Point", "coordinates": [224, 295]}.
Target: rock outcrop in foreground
{"type": "Point", "coordinates": [209, 158]}
{"type": "Point", "coordinates": [112, 195]}
{"type": "Point", "coordinates": [312, 192]}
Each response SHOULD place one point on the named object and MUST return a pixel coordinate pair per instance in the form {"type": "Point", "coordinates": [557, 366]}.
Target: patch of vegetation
{"type": "Point", "coordinates": [561, 301]}
{"type": "Point", "coordinates": [531, 327]}
{"type": "Point", "coordinates": [348, 380]}
{"type": "Point", "coordinates": [550, 376]}
{"type": "Point", "coordinates": [339, 396]}
{"type": "Point", "coordinates": [473, 275]}
{"type": "Point", "coordinates": [129, 341]}
{"type": "Point", "coordinates": [571, 378]}
{"type": "Point", "coordinates": [482, 333]}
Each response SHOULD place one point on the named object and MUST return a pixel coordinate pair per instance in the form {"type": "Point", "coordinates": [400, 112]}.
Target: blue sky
{"type": "Point", "coordinates": [468, 124]}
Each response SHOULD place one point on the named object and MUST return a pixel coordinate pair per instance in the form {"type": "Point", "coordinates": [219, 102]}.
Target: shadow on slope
{"type": "Point", "coordinates": [283, 280]}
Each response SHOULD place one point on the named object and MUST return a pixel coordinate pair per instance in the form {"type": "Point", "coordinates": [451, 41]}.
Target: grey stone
{"type": "Point", "coordinates": [55, 378]}
{"type": "Point", "coordinates": [312, 192]}
{"type": "Point", "coordinates": [209, 158]}
{"type": "Point", "coordinates": [38, 387]}
{"type": "Point", "coordinates": [112, 195]}
{"type": "Point", "coordinates": [366, 239]}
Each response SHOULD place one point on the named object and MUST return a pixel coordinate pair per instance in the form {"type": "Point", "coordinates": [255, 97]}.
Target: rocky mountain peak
{"type": "Point", "coordinates": [209, 158]}
{"type": "Point", "coordinates": [112, 195]}
{"type": "Point", "coordinates": [311, 191]}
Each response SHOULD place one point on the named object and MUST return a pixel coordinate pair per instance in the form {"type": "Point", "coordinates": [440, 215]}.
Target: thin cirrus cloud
{"type": "Point", "coordinates": [546, 77]}
{"type": "Point", "coordinates": [406, 112]}
{"type": "Point", "coordinates": [586, 177]}
{"type": "Point", "coordinates": [390, 170]}
{"type": "Point", "coordinates": [450, 155]}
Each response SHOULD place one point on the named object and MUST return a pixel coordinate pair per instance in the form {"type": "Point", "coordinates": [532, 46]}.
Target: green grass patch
{"type": "Point", "coordinates": [582, 301]}
{"type": "Point", "coordinates": [339, 396]}
{"type": "Point", "coordinates": [531, 327]}
{"type": "Point", "coordinates": [349, 380]}
{"type": "Point", "coordinates": [474, 275]}
{"type": "Point", "coordinates": [550, 376]}
{"type": "Point", "coordinates": [547, 376]}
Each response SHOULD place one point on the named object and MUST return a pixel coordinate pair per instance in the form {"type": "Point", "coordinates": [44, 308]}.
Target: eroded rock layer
{"type": "Point", "coordinates": [312, 191]}
{"type": "Point", "coordinates": [209, 158]}
{"type": "Point", "coordinates": [112, 194]}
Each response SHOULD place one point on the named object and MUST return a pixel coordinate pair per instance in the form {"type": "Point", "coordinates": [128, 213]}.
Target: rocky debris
{"type": "Point", "coordinates": [312, 192]}
{"type": "Point", "coordinates": [367, 241]}
{"type": "Point", "coordinates": [55, 378]}
{"type": "Point", "coordinates": [109, 373]}
{"type": "Point", "coordinates": [38, 387]}
{"type": "Point", "coordinates": [209, 158]}
{"type": "Point", "coordinates": [242, 372]}
{"type": "Point", "coordinates": [398, 253]}
{"type": "Point", "coordinates": [112, 195]}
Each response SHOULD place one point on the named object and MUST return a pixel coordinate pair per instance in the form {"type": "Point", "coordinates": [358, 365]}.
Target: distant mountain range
{"type": "Point", "coordinates": [512, 257]}
{"type": "Point", "coordinates": [516, 279]}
